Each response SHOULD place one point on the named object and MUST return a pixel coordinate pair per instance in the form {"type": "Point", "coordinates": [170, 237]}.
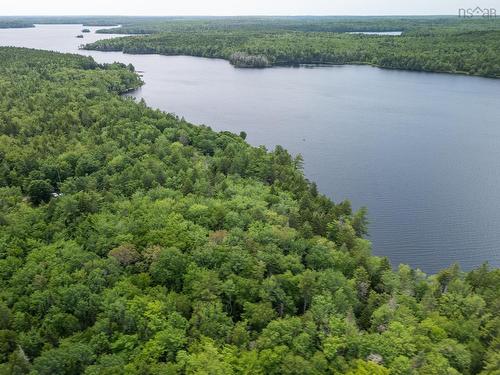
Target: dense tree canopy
{"type": "Point", "coordinates": [449, 44]}
{"type": "Point", "coordinates": [14, 23]}
{"type": "Point", "coordinates": [132, 242]}
{"type": "Point", "coordinates": [339, 24]}
{"type": "Point", "coordinates": [157, 24]}
{"type": "Point", "coordinates": [30, 21]}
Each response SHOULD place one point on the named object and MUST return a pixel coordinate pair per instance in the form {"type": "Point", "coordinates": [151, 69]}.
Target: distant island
{"type": "Point", "coordinates": [85, 31]}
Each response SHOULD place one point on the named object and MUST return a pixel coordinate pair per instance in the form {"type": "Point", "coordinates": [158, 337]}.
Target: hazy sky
{"type": "Point", "coordinates": [238, 7]}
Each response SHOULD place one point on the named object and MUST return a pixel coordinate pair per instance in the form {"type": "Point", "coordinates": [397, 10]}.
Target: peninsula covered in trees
{"type": "Point", "coordinates": [448, 44]}
{"type": "Point", "coordinates": [133, 242]}
{"type": "Point", "coordinates": [434, 44]}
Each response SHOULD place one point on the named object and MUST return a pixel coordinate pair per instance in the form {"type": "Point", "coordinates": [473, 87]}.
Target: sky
{"type": "Point", "coordinates": [239, 7]}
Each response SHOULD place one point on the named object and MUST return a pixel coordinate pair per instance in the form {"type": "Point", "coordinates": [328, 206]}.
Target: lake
{"type": "Point", "coordinates": [391, 33]}
{"type": "Point", "coordinates": [420, 150]}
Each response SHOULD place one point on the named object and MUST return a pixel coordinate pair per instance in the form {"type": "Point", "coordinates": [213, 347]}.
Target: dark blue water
{"type": "Point", "coordinates": [420, 150]}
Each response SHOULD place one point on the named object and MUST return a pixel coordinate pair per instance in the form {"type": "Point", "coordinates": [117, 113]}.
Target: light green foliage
{"type": "Point", "coordinates": [169, 248]}
{"type": "Point", "coordinates": [368, 368]}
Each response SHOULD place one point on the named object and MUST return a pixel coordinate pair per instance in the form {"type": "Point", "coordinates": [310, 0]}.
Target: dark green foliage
{"type": "Point", "coordinates": [151, 25]}
{"type": "Point", "coordinates": [170, 248]}
{"type": "Point", "coordinates": [337, 24]}
{"type": "Point", "coordinates": [30, 21]}
{"type": "Point", "coordinates": [7, 23]}
{"type": "Point", "coordinates": [437, 44]}
{"type": "Point", "coordinates": [39, 191]}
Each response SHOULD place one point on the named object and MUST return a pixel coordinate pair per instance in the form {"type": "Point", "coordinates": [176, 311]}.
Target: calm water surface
{"type": "Point", "coordinates": [391, 33]}
{"type": "Point", "coordinates": [421, 151]}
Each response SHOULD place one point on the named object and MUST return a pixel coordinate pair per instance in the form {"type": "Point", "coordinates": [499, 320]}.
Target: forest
{"type": "Point", "coordinates": [432, 44]}
{"type": "Point", "coordinates": [30, 21]}
{"type": "Point", "coordinates": [133, 242]}
{"type": "Point", "coordinates": [447, 44]}
{"type": "Point", "coordinates": [475, 53]}
{"type": "Point", "coordinates": [150, 25]}
{"type": "Point", "coordinates": [339, 24]}
{"type": "Point", "coordinates": [14, 23]}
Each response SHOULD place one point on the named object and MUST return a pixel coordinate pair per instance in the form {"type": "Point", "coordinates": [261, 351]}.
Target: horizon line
{"type": "Point", "coordinates": [227, 16]}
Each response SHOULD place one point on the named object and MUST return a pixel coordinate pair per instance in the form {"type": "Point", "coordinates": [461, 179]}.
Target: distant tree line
{"type": "Point", "coordinates": [475, 52]}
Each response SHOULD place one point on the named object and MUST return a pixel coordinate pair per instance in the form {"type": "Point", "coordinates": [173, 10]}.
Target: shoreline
{"type": "Point", "coordinates": [301, 65]}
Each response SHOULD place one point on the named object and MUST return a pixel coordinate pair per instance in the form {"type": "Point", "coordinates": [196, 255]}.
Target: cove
{"type": "Point", "coordinates": [420, 150]}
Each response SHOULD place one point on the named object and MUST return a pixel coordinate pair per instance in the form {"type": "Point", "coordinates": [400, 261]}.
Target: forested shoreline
{"type": "Point", "coordinates": [474, 52]}
{"type": "Point", "coordinates": [446, 44]}
{"type": "Point", "coordinates": [152, 24]}
{"type": "Point", "coordinates": [431, 44]}
{"type": "Point", "coordinates": [14, 24]}
{"type": "Point", "coordinates": [133, 242]}
{"type": "Point", "coordinates": [332, 24]}
{"type": "Point", "coordinates": [11, 22]}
